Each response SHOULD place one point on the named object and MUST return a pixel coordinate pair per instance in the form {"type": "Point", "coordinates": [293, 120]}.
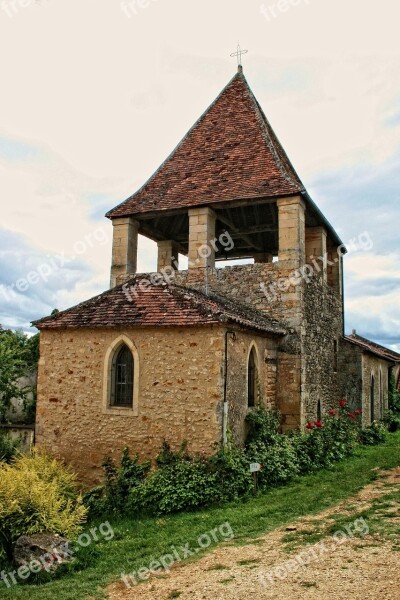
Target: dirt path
{"type": "Point", "coordinates": [283, 566]}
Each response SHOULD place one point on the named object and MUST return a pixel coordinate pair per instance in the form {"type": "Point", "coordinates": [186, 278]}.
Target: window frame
{"type": "Point", "coordinates": [111, 355]}
{"type": "Point", "coordinates": [252, 376]}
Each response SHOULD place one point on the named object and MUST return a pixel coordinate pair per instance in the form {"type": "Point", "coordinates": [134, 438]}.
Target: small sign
{"type": "Point", "coordinates": [255, 467]}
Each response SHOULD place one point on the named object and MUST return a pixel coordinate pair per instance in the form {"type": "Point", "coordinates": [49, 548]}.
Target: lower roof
{"type": "Point", "coordinates": [144, 302]}
{"type": "Point", "coordinates": [373, 348]}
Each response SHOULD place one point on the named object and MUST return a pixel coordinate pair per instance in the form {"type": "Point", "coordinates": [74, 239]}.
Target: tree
{"type": "Point", "coordinates": [19, 354]}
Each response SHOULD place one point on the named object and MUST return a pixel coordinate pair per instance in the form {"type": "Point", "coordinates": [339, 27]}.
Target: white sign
{"type": "Point", "coordinates": [255, 467]}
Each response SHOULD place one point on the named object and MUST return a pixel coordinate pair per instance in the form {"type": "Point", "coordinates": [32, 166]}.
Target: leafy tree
{"type": "Point", "coordinates": [19, 354]}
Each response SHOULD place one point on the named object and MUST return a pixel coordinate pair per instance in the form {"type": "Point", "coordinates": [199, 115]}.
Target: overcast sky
{"type": "Point", "coordinates": [94, 94]}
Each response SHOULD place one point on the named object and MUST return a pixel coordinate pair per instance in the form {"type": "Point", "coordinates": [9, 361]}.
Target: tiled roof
{"type": "Point", "coordinates": [230, 153]}
{"type": "Point", "coordinates": [158, 305]}
{"type": "Point", "coordinates": [377, 349]}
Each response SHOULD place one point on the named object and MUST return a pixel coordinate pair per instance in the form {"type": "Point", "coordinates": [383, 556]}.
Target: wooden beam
{"type": "Point", "coordinates": [235, 230]}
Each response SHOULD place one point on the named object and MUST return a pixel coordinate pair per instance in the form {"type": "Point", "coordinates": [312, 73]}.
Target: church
{"type": "Point", "coordinates": [185, 354]}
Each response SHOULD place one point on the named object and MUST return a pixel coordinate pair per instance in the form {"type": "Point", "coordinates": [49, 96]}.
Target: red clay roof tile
{"type": "Point", "coordinates": [158, 305]}
{"type": "Point", "coordinates": [377, 349]}
{"type": "Point", "coordinates": [230, 153]}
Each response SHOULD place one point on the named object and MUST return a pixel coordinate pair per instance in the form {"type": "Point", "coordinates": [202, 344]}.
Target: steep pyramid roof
{"type": "Point", "coordinates": [230, 153]}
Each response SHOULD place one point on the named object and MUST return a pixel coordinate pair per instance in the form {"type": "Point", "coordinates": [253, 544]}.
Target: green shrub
{"type": "Point", "coordinates": [183, 482]}
{"type": "Point", "coordinates": [373, 435]}
{"type": "Point", "coordinates": [392, 421]}
{"type": "Point", "coordinates": [119, 482]}
{"type": "Point", "coordinates": [8, 447]}
{"type": "Point", "coordinates": [264, 425]}
{"type": "Point", "coordinates": [37, 494]}
{"type": "Point", "coordinates": [279, 461]}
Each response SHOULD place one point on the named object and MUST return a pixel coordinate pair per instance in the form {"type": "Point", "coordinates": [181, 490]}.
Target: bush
{"type": "Point", "coordinates": [392, 421]}
{"type": "Point", "coordinates": [8, 447]}
{"type": "Point", "coordinates": [119, 482]}
{"type": "Point", "coordinates": [183, 482]}
{"type": "Point", "coordinates": [373, 435]}
{"type": "Point", "coordinates": [37, 494]}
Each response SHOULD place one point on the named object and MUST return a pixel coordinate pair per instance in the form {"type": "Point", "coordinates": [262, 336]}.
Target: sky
{"type": "Point", "coordinates": [94, 94]}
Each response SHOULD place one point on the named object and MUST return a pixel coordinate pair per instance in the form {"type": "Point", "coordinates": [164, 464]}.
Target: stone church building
{"type": "Point", "coordinates": [186, 354]}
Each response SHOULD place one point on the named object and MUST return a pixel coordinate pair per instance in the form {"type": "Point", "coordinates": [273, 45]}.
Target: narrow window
{"type": "Point", "coordinates": [335, 356]}
{"type": "Point", "coordinates": [381, 406]}
{"type": "Point", "coordinates": [252, 379]}
{"type": "Point", "coordinates": [122, 378]}
{"type": "Point", "coordinates": [372, 398]}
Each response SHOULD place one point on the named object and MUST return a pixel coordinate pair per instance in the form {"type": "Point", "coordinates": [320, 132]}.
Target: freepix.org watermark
{"type": "Point", "coordinates": [58, 555]}
{"type": "Point", "coordinates": [313, 553]}
{"type": "Point", "coordinates": [273, 11]}
{"type": "Point", "coordinates": [305, 273]}
{"type": "Point", "coordinates": [131, 8]}
{"type": "Point", "coordinates": [164, 564]}
{"type": "Point", "coordinates": [53, 264]}
{"type": "Point", "coordinates": [167, 274]}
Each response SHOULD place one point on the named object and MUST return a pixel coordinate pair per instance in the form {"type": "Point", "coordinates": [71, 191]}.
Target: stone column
{"type": "Point", "coordinates": [201, 238]}
{"type": "Point", "coordinates": [334, 268]}
{"type": "Point", "coordinates": [292, 231]}
{"type": "Point", "coordinates": [124, 251]}
{"type": "Point", "coordinates": [263, 257]}
{"type": "Point", "coordinates": [316, 250]}
{"type": "Point", "coordinates": [167, 255]}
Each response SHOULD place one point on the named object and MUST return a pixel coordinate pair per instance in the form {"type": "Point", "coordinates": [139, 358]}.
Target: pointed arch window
{"type": "Point", "coordinates": [252, 377]}
{"type": "Point", "coordinates": [372, 398]}
{"type": "Point", "coordinates": [122, 376]}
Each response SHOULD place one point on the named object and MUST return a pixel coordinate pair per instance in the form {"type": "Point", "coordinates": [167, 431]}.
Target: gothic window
{"type": "Point", "coordinates": [252, 377]}
{"type": "Point", "coordinates": [122, 375]}
{"type": "Point", "coordinates": [335, 356]}
{"type": "Point", "coordinates": [372, 398]}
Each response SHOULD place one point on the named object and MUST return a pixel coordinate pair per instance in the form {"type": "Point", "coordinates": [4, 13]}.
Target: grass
{"type": "Point", "coordinates": [137, 542]}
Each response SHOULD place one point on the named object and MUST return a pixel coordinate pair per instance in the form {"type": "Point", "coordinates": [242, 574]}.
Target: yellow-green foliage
{"type": "Point", "coordinates": [38, 493]}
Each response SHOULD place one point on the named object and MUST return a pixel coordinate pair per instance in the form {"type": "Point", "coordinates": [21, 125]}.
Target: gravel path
{"type": "Point", "coordinates": [360, 568]}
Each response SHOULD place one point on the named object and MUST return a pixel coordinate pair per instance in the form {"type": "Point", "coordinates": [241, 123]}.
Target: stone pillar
{"type": "Point", "coordinates": [201, 238]}
{"type": "Point", "coordinates": [167, 255]}
{"type": "Point", "coordinates": [124, 251]}
{"type": "Point", "coordinates": [263, 257]}
{"type": "Point", "coordinates": [292, 231]}
{"type": "Point", "coordinates": [316, 250]}
{"type": "Point", "coordinates": [334, 268]}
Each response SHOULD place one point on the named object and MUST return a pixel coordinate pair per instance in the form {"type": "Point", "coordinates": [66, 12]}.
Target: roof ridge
{"type": "Point", "coordinates": [238, 75]}
{"type": "Point", "coordinates": [363, 341]}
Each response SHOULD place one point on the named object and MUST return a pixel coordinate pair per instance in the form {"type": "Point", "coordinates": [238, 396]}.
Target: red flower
{"type": "Point", "coordinates": [342, 403]}
{"type": "Point", "coordinates": [340, 414]}
{"type": "Point", "coordinates": [332, 412]}
{"type": "Point", "coordinates": [310, 426]}
{"type": "Point", "coordinates": [357, 412]}
{"type": "Point", "coordinates": [318, 423]}
{"type": "Point", "coordinates": [351, 416]}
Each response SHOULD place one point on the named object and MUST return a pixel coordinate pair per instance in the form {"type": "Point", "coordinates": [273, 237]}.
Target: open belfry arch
{"type": "Point", "coordinates": [231, 175]}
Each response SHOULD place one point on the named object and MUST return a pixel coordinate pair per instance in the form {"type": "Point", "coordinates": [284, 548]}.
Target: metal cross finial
{"type": "Point", "coordinates": [238, 54]}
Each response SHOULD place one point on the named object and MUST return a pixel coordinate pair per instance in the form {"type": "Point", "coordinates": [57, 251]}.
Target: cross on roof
{"type": "Point", "coordinates": [238, 54]}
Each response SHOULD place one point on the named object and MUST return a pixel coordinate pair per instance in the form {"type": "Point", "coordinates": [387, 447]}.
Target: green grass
{"type": "Point", "coordinates": [138, 542]}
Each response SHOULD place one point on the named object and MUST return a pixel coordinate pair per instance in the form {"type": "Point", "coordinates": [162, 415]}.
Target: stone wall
{"type": "Point", "coordinates": [379, 369]}
{"type": "Point", "coordinates": [180, 394]}
{"type": "Point", "coordinates": [350, 376]}
{"type": "Point", "coordinates": [239, 347]}
{"type": "Point", "coordinates": [322, 328]}
{"type": "Point", "coordinates": [17, 411]}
